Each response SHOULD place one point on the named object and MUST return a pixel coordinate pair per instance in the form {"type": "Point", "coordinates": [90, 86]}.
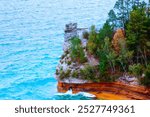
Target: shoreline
{"type": "Point", "coordinates": [108, 91]}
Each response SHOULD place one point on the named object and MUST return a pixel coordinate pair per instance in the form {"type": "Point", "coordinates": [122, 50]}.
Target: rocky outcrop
{"type": "Point", "coordinates": [69, 73]}
{"type": "Point", "coordinates": [70, 32]}
{"type": "Point", "coordinates": [114, 90]}
{"type": "Point", "coordinates": [68, 70]}
{"type": "Point", "coordinates": [130, 80]}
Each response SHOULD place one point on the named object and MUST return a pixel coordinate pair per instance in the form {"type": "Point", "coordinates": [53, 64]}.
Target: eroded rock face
{"type": "Point", "coordinates": [70, 32]}
{"type": "Point", "coordinates": [68, 70]}
{"type": "Point", "coordinates": [119, 89]}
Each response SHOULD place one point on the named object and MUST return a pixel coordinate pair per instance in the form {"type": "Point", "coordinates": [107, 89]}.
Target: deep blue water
{"type": "Point", "coordinates": [31, 38]}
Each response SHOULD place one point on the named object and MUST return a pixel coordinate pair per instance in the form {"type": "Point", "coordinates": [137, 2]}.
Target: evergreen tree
{"type": "Point", "coordinates": [120, 9]}
{"type": "Point", "coordinates": [138, 33]}
{"type": "Point", "coordinates": [93, 41]}
{"type": "Point", "coordinates": [112, 18]}
{"type": "Point", "coordinates": [106, 31]}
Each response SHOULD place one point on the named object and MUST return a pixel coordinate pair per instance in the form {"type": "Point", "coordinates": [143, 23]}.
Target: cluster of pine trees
{"type": "Point", "coordinates": [133, 57]}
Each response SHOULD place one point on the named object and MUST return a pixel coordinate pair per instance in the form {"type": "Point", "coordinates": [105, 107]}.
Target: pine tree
{"type": "Point", "coordinates": [112, 18]}
{"type": "Point", "coordinates": [119, 6]}
{"type": "Point", "coordinates": [137, 33]}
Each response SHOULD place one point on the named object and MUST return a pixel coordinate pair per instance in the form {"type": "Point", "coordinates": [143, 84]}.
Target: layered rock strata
{"type": "Point", "coordinates": [115, 90]}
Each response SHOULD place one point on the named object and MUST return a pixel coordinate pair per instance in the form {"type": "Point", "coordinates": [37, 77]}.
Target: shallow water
{"type": "Point", "coordinates": [31, 38]}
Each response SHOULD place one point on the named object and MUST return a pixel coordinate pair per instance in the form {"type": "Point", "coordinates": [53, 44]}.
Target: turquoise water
{"type": "Point", "coordinates": [31, 38]}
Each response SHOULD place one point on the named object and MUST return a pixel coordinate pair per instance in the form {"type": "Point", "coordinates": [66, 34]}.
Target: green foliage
{"type": "Point", "coordinates": [63, 75]}
{"type": "Point", "coordinates": [120, 13]}
{"type": "Point", "coordinates": [106, 31]}
{"type": "Point", "coordinates": [112, 18]}
{"type": "Point", "coordinates": [107, 55]}
{"type": "Point", "coordinates": [102, 63]}
{"type": "Point", "coordinates": [134, 51]}
{"type": "Point", "coordinates": [93, 41]}
{"type": "Point", "coordinates": [75, 74]}
{"type": "Point", "coordinates": [136, 69]}
{"type": "Point", "coordinates": [146, 80]}
{"type": "Point", "coordinates": [135, 27]}
{"type": "Point", "coordinates": [90, 73]}
{"type": "Point", "coordinates": [57, 73]}
{"type": "Point", "coordinates": [85, 35]}
{"type": "Point", "coordinates": [138, 34]}
{"type": "Point", "coordinates": [109, 77]}
{"type": "Point", "coordinates": [77, 53]}
{"type": "Point", "coordinates": [69, 62]}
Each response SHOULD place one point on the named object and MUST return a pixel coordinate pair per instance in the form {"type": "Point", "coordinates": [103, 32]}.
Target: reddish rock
{"type": "Point", "coordinates": [115, 90]}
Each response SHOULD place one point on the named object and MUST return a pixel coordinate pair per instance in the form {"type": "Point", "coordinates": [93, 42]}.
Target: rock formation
{"type": "Point", "coordinates": [115, 90]}
{"type": "Point", "coordinates": [70, 32]}
{"type": "Point", "coordinates": [68, 72]}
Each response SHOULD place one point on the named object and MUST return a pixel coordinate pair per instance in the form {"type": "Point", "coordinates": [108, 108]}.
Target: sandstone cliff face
{"type": "Point", "coordinates": [115, 90]}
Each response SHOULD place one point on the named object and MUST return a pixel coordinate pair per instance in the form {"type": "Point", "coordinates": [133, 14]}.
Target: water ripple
{"type": "Point", "coordinates": [31, 38]}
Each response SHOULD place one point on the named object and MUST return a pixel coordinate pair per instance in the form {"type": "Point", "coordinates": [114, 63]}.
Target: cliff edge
{"type": "Point", "coordinates": [79, 69]}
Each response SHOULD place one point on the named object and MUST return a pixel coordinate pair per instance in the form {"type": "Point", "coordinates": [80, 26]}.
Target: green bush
{"type": "Point", "coordinates": [90, 73]}
{"type": "Point", "coordinates": [106, 31]}
{"type": "Point", "coordinates": [64, 75]}
{"type": "Point", "coordinates": [69, 63]}
{"type": "Point", "coordinates": [112, 77]}
{"type": "Point", "coordinates": [93, 41]}
{"type": "Point", "coordinates": [85, 35]}
{"type": "Point", "coordinates": [146, 80]}
{"type": "Point", "coordinates": [77, 53]}
{"type": "Point", "coordinates": [75, 74]}
{"type": "Point", "coordinates": [136, 69]}
{"type": "Point", "coordinates": [63, 56]}
{"type": "Point", "coordinates": [57, 72]}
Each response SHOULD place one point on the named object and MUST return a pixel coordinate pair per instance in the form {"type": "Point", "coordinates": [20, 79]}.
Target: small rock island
{"type": "Point", "coordinates": [111, 63]}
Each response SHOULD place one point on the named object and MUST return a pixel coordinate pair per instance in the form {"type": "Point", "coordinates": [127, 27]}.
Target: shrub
{"type": "Point", "coordinates": [63, 56]}
{"type": "Point", "coordinates": [90, 73]}
{"type": "Point", "coordinates": [93, 42]}
{"type": "Point", "coordinates": [75, 74]}
{"type": "Point", "coordinates": [64, 75]}
{"type": "Point", "coordinates": [69, 62]}
{"type": "Point", "coordinates": [112, 77]}
{"type": "Point", "coordinates": [146, 80]}
{"type": "Point", "coordinates": [106, 31]}
{"type": "Point", "coordinates": [77, 52]}
{"type": "Point", "coordinates": [85, 35]}
{"type": "Point", "coordinates": [135, 69]}
{"type": "Point", "coordinates": [57, 73]}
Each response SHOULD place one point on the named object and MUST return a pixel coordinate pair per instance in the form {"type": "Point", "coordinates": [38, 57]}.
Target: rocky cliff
{"type": "Point", "coordinates": [69, 71]}
{"type": "Point", "coordinates": [104, 90]}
